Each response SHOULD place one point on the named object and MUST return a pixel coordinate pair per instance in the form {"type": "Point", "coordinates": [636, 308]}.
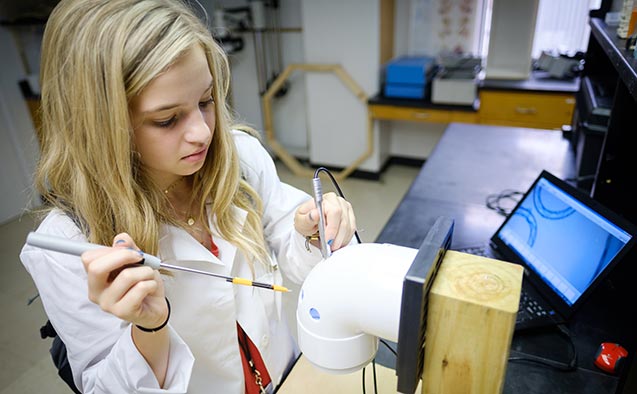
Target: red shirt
{"type": "Point", "coordinates": [214, 248]}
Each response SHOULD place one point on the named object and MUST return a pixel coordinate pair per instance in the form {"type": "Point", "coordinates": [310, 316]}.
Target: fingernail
{"type": "Point", "coordinates": [330, 242]}
{"type": "Point", "coordinates": [138, 251]}
{"type": "Point", "coordinates": [120, 241]}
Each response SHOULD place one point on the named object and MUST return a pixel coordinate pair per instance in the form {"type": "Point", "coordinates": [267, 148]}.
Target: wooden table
{"type": "Point", "coordinates": [306, 378]}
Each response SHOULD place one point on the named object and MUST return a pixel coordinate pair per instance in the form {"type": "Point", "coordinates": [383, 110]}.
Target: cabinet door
{"type": "Point", "coordinates": [388, 112]}
{"type": "Point", "coordinates": [615, 182]}
{"type": "Point", "coordinates": [528, 109]}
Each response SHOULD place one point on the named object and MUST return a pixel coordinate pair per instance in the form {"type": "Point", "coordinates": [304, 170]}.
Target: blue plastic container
{"type": "Point", "coordinates": [408, 76]}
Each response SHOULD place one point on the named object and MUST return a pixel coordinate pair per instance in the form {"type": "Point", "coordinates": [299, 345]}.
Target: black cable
{"type": "Point", "coordinates": [388, 347]}
{"type": "Point", "coordinates": [374, 367]}
{"type": "Point", "coordinates": [560, 366]}
{"type": "Point", "coordinates": [340, 192]}
{"type": "Point", "coordinates": [364, 380]}
{"type": "Point", "coordinates": [494, 201]}
{"type": "Point", "coordinates": [35, 297]}
{"type": "Point", "coordinates": [374, 370]}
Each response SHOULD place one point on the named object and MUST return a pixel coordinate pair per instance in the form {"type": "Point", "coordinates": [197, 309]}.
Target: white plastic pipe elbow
{"type": "Point", "coordinates": [348, 301]}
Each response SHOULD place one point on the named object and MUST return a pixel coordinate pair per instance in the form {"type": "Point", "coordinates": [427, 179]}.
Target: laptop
{"type": "Point", "coordinates": [567, 242]}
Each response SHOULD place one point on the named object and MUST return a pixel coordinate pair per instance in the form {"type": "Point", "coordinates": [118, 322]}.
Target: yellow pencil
{"type": "Point", "coordinates": [248, 282]}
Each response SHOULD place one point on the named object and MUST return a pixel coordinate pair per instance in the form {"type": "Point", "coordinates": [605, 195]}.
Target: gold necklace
{"type": "Point", "coordinates": [190, 220]}
{"type": "Point", "coordinates": [172, 185]}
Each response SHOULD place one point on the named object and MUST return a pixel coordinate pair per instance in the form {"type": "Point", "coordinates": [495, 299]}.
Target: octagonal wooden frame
{"type": "Point", "coordinates": [290, 161]}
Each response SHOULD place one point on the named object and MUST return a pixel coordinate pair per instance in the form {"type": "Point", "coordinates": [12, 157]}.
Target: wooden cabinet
{"type": "Point", "coordinates": [541, 110]}
{"type": "Point", "coordinates": [390, 112]}
{"type": "Point", "coordinates": [538, 102]}
{"type": "Point", "coordinates": [414, 114]}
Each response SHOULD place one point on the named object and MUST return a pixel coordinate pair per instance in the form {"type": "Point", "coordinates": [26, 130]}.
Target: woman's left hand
{"type": "Point", "coordinates": [340, 222]}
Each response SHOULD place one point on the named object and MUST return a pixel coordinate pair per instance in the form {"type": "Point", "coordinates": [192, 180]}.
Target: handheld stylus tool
{"type": "Point", "coordinates": [63, 245]}
{"type": "Point", "coordinates": [318, 199]}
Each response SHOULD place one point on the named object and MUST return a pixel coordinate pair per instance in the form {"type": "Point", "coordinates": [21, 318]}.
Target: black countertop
{"type": "Point", "coordinates": [469, 163]}
{"type": "Point", "coordinates": [379, 99]}
{"type": "Point", "coordinates": [538, 82]}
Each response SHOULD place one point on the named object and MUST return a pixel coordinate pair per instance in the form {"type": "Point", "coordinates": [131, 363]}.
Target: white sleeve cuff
{"type": "Point", "coordinates": [306, 259]}
{"type": "Point", "coordinates": [141, 377]}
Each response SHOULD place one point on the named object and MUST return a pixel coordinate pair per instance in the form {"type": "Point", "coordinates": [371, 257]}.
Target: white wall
{"type": "Point", "coordinates": [409, 139]}
{"type": "Point", "coordinates": [18, 145]}
{"type": "Point", "coordinates": [345, 33]}
{"type": "Point", "coordinates": [288, 112]}
{"type": "Point", "coordinates": [319, 118]}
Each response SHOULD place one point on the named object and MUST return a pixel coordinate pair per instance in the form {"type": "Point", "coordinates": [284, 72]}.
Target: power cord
{"type": "Point", "coordinates": [388, 347]}
{"type": "Point", "coordinates": [494, 201]}
{"type": "Point", "coordinates": [374, 371]}
{"type": "Point", "coordinates": [374, 366]}
{"type": "Point", "coordinates": [338, 189]}
{"type": "Point", "coordinates": [557, 365]}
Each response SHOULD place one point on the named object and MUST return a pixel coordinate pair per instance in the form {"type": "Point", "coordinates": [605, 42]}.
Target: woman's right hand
{"type": "Point", "coordinates": [132, 292]}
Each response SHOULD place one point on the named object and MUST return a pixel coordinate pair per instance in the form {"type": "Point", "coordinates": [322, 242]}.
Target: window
{"type": "Point", "coordinates": [562, 26]}
{"type": "Point", "coordinates": [439, 26]}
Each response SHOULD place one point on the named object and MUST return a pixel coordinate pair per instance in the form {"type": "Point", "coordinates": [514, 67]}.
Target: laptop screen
{"type": "Point", "coordinates": [562, 237]}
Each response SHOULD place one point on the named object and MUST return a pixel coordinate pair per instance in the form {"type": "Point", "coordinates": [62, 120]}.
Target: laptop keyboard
{"type": "Point", "coordinates": [529, 308]}
{"type": "Point", "coordinates": [475, 250]}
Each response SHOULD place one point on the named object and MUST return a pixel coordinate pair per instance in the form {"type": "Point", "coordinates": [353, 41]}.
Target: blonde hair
{"type": "Point", "coordinates": [96, 56]}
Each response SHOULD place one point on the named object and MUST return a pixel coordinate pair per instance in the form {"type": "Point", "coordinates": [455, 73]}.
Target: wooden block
{"type": "Point", "coordinates": [471, 315]}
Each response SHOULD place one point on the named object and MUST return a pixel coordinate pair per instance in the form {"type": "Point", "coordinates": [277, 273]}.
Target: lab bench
{"type": "Point", "coordinates": [537, 102]}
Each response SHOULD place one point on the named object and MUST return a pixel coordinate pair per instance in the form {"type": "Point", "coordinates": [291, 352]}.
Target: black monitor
{"type": "Point", "coordinates": [413, 311]}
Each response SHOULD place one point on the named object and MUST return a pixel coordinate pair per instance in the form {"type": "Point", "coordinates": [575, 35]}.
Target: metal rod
{"type": "Point", "coordinates": [318, 199]}
{"type": "Point", "coordinates": [64, 245]}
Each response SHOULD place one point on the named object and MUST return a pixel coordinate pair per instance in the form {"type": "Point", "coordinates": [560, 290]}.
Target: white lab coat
{"type": "Point", "coordinates": [204, 352]}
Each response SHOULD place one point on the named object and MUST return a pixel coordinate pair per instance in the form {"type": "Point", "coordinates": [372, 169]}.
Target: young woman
{"type": "Point", "coordinates": [139, 152]}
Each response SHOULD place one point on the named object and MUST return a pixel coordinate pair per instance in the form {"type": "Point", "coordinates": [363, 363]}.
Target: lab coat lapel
{"type": "Point", "coordinates": [176, 245]}
{"type": "Point", "coordinates": [227, 251]}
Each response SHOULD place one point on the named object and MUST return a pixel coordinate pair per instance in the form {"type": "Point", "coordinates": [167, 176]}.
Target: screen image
{"type": "Point", "coordinates": [562, 240]}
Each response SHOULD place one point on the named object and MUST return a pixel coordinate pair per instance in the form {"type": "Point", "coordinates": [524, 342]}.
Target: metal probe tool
{"type": "Point", "coordinates": [63, 245]}
{"type": "Point", "coordinates": [318, 200]}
